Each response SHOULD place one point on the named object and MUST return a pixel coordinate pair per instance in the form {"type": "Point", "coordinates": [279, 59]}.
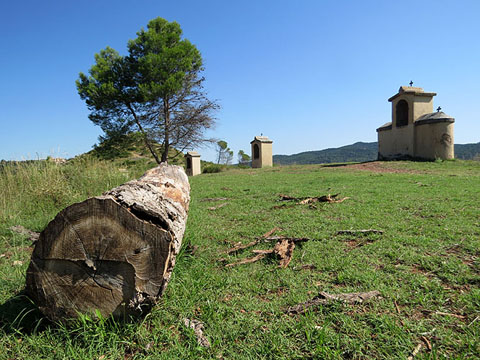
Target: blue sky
{"type": "Point", "coordinates": [308, 74]}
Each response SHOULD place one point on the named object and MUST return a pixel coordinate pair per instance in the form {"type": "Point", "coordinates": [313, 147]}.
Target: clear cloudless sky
{"type": "Point", "coordinates": [309, 74]}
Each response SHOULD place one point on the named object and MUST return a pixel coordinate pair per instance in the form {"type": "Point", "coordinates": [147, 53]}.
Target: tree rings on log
{"type": "Point", "coordinates": [113, 253]}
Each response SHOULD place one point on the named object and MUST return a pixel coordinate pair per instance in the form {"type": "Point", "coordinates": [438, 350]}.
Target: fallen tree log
{"type": "Point", "coordinates": [112, 253]}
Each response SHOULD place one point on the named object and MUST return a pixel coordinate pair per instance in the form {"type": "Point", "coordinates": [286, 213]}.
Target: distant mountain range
{"type": "Point", "coordinates": [358, 152]}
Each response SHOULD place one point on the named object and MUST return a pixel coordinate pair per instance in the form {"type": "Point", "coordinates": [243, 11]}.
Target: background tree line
{"type": "Point", "coordinates": [225, 154]}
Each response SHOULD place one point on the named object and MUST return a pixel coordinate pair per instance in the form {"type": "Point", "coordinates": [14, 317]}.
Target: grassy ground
{"type": "Point", "coordinates": [425, 265]}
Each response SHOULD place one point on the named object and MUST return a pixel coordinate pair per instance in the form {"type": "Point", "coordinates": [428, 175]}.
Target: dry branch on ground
{"type": "Point", "coordinates": [324, 298]}
{"type": "Point", "coordinates": [427, 343]}
{"type": "Point", "coordinates": [198, 328]}
{"type": "Point", "coordinates": [248, 260]}
{"type": "Point", "coordinates": [310, 200]}
{"type": "Point", "coordinates": [217, 207]}
{"type": "Point", "coordinates": [283, 249]}
{"type": "Point", "coordinates": [448, 314]}
{"type": "Point", "coordinates": [362, 231]}
{"type": "Point", "coordinates": [415, 351]}
{"type": "Point", "coordinates": [240, 246]}
{"type": "Point", "coordinates": [19, 229]}
{"type": "Point", "coordinates": [306, 267]}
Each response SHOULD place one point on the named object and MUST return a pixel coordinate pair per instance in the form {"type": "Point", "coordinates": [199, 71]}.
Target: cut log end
{"type": "Point", "coordinates": [108, 255]}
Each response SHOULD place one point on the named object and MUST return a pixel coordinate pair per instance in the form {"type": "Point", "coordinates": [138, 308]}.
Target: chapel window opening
{"type": "Point", "coordinates": [402, 113]}
{"type": "Point", "coordinates": [256, 151]}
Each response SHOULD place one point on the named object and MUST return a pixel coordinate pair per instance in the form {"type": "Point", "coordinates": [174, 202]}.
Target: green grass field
{"type": "Point", "coordinates": [425, 265]}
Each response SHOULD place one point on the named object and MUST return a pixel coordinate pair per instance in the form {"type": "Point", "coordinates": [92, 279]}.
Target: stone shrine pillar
{"type": "Point", "coordinates": [261, 152]}
{"type": "Point", "coordinates": [193, 163]}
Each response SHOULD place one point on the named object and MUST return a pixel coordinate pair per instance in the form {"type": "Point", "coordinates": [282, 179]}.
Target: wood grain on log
{"type": "Point", "coordinates": [112, 253]}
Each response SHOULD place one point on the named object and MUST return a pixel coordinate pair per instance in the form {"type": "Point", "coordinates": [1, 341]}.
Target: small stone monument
{"type": "Point", "coordinates": [261, 152]}
{"type": "Point", "coordinates": [193, 163]}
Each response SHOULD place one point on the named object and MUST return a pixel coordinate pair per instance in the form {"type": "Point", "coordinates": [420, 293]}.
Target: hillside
{"type": "Point", "coordinates": [467, 151]}
{"type": "Point", "coordinates": [131, 147]}
{"type": "Point", "coordinates": [359, 152]}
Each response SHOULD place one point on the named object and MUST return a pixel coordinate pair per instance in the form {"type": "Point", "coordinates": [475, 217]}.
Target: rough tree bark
{"type": "Point", "coordinates": [112, 253]}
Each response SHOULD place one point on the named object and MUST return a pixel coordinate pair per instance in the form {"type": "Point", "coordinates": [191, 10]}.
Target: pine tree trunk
{"type": "Point", "coordinates": [112, 253]}
{"type": "Point", "coordinates": [166, 140]}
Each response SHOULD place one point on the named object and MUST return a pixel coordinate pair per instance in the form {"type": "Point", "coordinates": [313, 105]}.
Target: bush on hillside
{"type": "Point", "coordinates": [118, 146]}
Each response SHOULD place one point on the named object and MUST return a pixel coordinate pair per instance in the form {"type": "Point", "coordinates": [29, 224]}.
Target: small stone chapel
{"type": "Point", "coordinates": [416, 131]}
{"type": "Point", "coordinates": [193, 163]}
{"type": "Point", "coordinates": [261, 152]}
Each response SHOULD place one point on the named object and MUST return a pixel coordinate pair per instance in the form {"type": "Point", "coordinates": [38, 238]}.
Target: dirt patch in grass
{"type": "Point", "coordinates": [272, 293]}
{"type": "Point", "coordinates": [420, 270]}
{"type": "Point", "coordinates": [460, 253]}
{"type": "Point", "coordinates": [355, 243]}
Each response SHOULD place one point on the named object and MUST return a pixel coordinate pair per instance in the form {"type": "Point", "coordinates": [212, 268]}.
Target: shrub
{"type": "Point", "coordinates": [214, 168]}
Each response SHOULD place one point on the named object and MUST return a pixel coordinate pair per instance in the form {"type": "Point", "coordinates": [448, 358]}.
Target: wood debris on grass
{"type": "Point", "coordinates": [149, 345]}
{"type": "Point", "coordinates": [326, 198]}
{"type": "Point", "coordinates": [448, 314]}
{"type": "Point", "coordinates": [280, 238]}
{"type": "Point", "coordinates": [271, 232]}
{"type": "Point", "coordinates": [192, 249]}
{"type": "Point", "coordinates": [427, 343]}
{"type": "Point", "coordinates": [362, 231]}
{"type": "Point", "coordinates": [218, 206]}
{"type": "Point", "coordinates": [198, 328]}
{"type": "Point", "coordinates": [313, 199]}
{"type": "Point", "coordinates": [431, 332]}
{"type": "Point", "coordinates": [396, 306]}
{"type": "Point", "coordinates": [32, 235]}
{"type": "Point", "coordinates": [248, 260]}
{"type": "Point", "coordinates": [215, 199]}
{"type": "Point", "coordinates": [324, 298]}
{"type": "Point", "coordinates": [283, 249]}
{"type": "Point", "coordinates": [264, 252]}
{"type": "Point", "coordinates": [473, 321]}
{"type": "Point", "coordinates": [305, 267]}
{"type": "Point", "coordinates": [287, 198]}
{"type": "Point", "coordinates": [240, 246]}
{"type": "Point", "coordinates": [415, 351]}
